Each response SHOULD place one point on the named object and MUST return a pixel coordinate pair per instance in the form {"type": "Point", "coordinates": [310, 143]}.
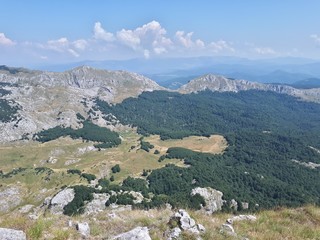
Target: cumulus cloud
{"type": "Point", "coordinates": [150, 37]}
{"type": "Point", "coordinates": [100, 34]}
{"type": "Point", "coordinates": [221, 45]}
{"type": "Point", "coordinates": [148, 40]}
{"type": "Point", "coordinates": [63, 45]}
{"type": "Point", "coordinates": [80, 44]}
{"type": "Point", "coordinates": [129, 38]}
{"type": "Point", "coordinates": [316, 38]}
{"type": "Point", "coordinates": [264, 50]}
{"type": "Point", "coordinates": [5, 41]}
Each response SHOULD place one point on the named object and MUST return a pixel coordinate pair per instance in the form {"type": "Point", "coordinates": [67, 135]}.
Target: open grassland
{"type": "Point", "coordinates": [66, 153]}
{"type": "Point", "coordinates": [293, 224]}
{"type": "Point", "coordinates": [214, 144]}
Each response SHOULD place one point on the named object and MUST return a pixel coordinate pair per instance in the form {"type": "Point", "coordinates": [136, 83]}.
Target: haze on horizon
{"type": "Point", "coordinates": [51, 32]}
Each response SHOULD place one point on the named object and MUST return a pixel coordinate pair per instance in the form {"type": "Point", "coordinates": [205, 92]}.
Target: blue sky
{"type": "Point", "coordinates": [61, 31]}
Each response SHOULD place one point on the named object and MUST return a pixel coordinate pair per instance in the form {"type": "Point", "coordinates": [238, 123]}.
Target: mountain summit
{"type": "Point", "coordinates": [222, 84]}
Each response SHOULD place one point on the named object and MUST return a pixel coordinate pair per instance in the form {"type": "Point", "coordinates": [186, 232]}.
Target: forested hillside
{"type": "Point", "coordinates": [265, 132]}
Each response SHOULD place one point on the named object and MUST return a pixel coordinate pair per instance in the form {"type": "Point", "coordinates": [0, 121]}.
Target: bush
{"type": "Point", "coordinates": [88, 176]}
{"type": "Point", "coordinates": [76, 206]}
{"type": "Point", "coordinates": [74, 171]}
{"type": "Point", "coordinates": [116, 168]}
{"type": "Point", "coordinates": [104, 182]}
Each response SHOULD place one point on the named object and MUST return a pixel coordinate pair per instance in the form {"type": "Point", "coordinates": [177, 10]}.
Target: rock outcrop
{"type": "Point", "coordinates": [60, 200]}
{"type": "Point", "coordinates": [11, 234]}
{"type": "Point", "coordinates": [83, 229]}
{"type": "Point", "coordinates": [227, 228]}
{"type": "Point", "coordinates": [138, 233]}
{"type": "Point", "coordinates": [10, 198]}
{"type": "Point", "coordinates": [212, 198]}
{"type": "Point", "coordinates": [181, 221]}
{"type": "Point", "coordinates": [97, 204]}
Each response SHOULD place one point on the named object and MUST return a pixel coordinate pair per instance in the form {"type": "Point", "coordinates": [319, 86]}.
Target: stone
{"type": "Point", "coordinates": [60, 200]}
{"type": "Point", "coordinates": [10, 198]}
{"type": "Point", "coordinates": [245, 205]}
{"type": "Point", "coordinates": [228, 229]}
{"type": "Point", "coordinates": [212, 198]}
{"type": "Point", "coordinates": [97, 204]}
{"type": "Point", "coordinates": [201, 228]}
{"type": "Point", "coordinates": [83, 229]}
{"type": "Point", "coordinates": [185, 221]}
{"type": "Point", "coordinates": [26, 208]}
{"type": "Point", "coordinates": [12, 234]}
{"type": "Point", "coordinates": [242, 218]}
{"type": "Point", "coordinates": [174, 233]}
{"type": "Point", "coordinates": [138, 233]}
{"type": "Point", "coordinates": [233, 204]}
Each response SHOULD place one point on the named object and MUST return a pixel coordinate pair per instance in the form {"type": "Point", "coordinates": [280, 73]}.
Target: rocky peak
{"type": "Point", "coordinates": [222, 84]}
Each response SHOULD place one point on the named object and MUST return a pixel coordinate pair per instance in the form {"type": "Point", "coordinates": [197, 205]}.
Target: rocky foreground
{"type": "Point", "coordinates": [125, 224]}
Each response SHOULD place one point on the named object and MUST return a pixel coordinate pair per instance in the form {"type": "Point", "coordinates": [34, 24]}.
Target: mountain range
{"type": "Point", "coordinates": [48, 99]}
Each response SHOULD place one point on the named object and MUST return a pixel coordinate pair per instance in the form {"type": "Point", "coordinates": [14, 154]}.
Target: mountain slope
{"type": "Point", "coordinates": [49, 99]}
{"type": "Point", "coordinates": [223, 84]}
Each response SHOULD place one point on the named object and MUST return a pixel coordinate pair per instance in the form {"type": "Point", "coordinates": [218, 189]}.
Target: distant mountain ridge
{"type": "Point", "coordinates": [223, 84]}
{"type": "Point", "coordinates": [44, 99]}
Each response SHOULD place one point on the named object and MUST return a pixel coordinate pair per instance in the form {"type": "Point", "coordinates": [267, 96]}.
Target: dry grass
{"type": "Point", "coordinates": [213, 144]}
{"type": "Point", "coordinates": [291, 224]}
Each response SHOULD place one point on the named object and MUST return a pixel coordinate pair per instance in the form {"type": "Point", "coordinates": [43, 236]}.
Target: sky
{"type": "Point", "coordinates": [62, 31]}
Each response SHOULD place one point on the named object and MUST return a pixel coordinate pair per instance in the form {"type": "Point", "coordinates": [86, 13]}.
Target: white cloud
{"type": "Point", "coordinates": [316, 38]}
{"type": "Point", "coordinates": [101, 34]}
{"type": "Point", "coordinates": [185, 39]}
{"type": "Point", "coordinates": [264, 50]}
{"type": "Point", "coordinates": [220, 46]}
{"type": "Point", "coordinates": [63, 45]}
{"type": "Point", "coordinates": [146, 54]}
{"type": "Point", "coordinates": [58, 45]}
{"type": "Point", "coordinates": [5, 41]}
{"type": "Point", "coordinates": [80, 44]}
{"type": "Point", "coordinates": [150, 37]}
{"type": "Point", "coordinates": [129, 38]}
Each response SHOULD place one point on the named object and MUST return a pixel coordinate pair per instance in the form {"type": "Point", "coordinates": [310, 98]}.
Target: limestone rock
{"type": "Point", "coordinates": [26, 208]}
{"type": "Point", "coordinates": [10, 197]}
{"type": "Point", "coordinates": [83, 229]}
{"type": "Point", "coordinates": [138, 233]}
{"type": "Point", "coordinates": [11, 234]}
{"type": "Point", "coordinates": [245, 205]}
{"type": "Point", "coordinates": [60, 200]}
{"type": "Point", "coordinates": [212, 198]}
{"type": "Point", "coordinates": [228, 229]}
{"type": "Point", "coordinates": [97, 204]}
{"type": "Point", "coordinates": [185, 223]}
{"type": "Point", "coordinates": [242, 218]}
{"type": "Point", "coordinates": [233, 204]}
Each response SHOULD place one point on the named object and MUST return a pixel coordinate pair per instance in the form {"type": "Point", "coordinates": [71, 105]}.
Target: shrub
{"type": "Point", "coordinates": [76, 206]}
{"type": "Point", "coordinates": [116, 168]}
{"type": "Point", "coordinates": [88, 176]}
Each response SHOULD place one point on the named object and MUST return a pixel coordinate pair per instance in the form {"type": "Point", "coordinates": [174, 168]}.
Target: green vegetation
{"type": "Point", "coordinates": [136, 184]}
{"type": "Point", "coordinates": [116, 168]}
{"type": "Point", "coordinates": [89, 131]}
{"type": "Point", "coordinates": [265, 132]}
{"type": "Point", "coordinates": [146, 146]}
{"type": "Point", "coordinates": [74, 171]}
{"type": "Point", "coordinates": [88, 176]}
{"type": "Point", "coordinates": [8, 110]}
{"type": "Point", "coordinates": [174, 115]}
{"type": "Point", "coordinates": [76, 206]}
